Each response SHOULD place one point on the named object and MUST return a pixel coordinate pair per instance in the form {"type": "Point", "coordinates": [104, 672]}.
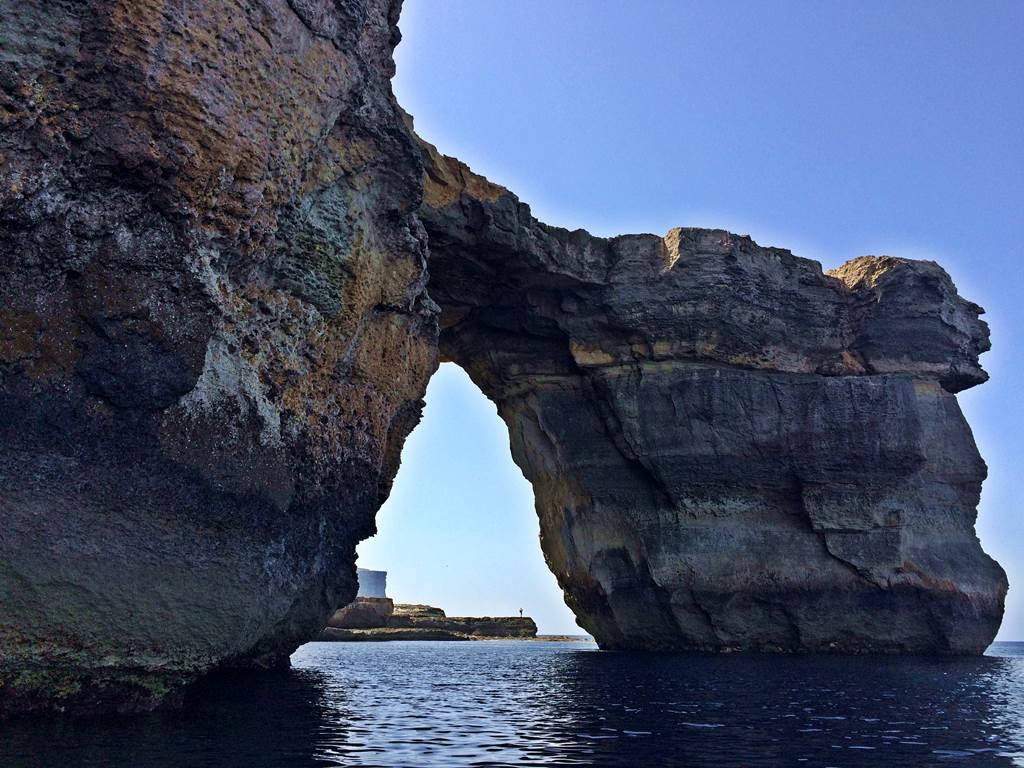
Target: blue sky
{"type": "Point", "coordinates": [834, 129]}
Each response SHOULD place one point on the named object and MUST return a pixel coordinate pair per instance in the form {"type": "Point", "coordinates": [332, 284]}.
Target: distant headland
{"type": "Point", "coordinates": [373, 616]}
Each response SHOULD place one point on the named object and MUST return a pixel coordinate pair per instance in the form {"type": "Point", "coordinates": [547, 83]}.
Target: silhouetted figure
{"type": "Point", "coordinates": [520, 613]}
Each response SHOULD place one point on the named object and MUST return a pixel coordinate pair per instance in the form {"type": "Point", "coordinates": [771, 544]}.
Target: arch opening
{"type": "Point", "coordinates": [458, 530]}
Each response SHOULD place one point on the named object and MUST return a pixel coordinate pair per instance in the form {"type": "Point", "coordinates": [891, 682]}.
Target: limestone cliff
{"type": "Point", "coordinates": [729, 449]}
{"type": "Point", "coordinates": [214, 333]}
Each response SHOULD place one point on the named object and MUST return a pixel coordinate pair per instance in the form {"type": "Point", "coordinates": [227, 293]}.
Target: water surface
{"type": "Point", "coordinates": [538, 703]}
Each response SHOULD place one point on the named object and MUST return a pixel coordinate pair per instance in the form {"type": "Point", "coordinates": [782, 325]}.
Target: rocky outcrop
{"type": "Point", "coordinates": [729, 449]}
{"type": "Point", "coordinates": [214, 333]}
{"type": "Point", "coordinates": [429, 617]}
{"type": "Point", "coordinates": [363, 613]}
{"type": "Point", "coordinates": [369, 618]}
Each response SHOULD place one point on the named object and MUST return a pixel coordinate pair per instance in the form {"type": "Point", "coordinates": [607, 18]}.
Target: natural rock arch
{"type": "Point", "coordinates": [730, 450]}
{"type": "Point", "coordinates": [216, 330]}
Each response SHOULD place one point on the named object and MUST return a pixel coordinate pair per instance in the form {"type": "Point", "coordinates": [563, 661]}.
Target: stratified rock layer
{"type": "Point", "coordinates": [214, 334]}
{"type": "Point", "coordinates": [729, 449]}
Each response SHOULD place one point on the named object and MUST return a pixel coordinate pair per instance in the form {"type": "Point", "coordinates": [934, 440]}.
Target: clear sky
{"type": "Point", "coordinates": [834, 129]}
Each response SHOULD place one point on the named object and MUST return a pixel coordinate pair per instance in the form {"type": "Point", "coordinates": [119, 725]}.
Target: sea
{"type": "Point", "coordinates": [537, 703]}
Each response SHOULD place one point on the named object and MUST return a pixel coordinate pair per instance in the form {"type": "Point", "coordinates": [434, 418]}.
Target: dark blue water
{"type": "Point", "coordinates": [537, 703]}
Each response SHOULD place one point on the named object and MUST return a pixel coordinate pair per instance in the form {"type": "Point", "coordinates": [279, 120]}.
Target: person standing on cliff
{"type": "Point", "coordinates": [520, 613]}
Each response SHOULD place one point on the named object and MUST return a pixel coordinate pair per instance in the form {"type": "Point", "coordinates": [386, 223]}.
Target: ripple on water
{"type": "Point", "coordinates": [540, 703]}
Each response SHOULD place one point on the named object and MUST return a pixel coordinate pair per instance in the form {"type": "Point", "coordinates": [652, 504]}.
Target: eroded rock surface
{"type": "Point", "coordinates": [214, 333]}
{"type": "Point", "coordinates": [730, 450]}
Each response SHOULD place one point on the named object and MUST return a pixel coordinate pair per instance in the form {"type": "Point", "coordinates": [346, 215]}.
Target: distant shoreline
{"type": "Point", "coordinates": [390, 635]}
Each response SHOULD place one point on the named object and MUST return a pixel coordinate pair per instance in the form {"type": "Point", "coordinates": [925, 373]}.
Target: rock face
{"type": "Point", "coordinates": [729, 449]}
{"type": "Point", "coordinates": [214, 333]}
{"type": "Point", "coordinates": [368, 618]}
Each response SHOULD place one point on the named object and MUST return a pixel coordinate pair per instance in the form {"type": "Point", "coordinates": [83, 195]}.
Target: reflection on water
{"type": "Point", "coordinates": [536, 703]}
